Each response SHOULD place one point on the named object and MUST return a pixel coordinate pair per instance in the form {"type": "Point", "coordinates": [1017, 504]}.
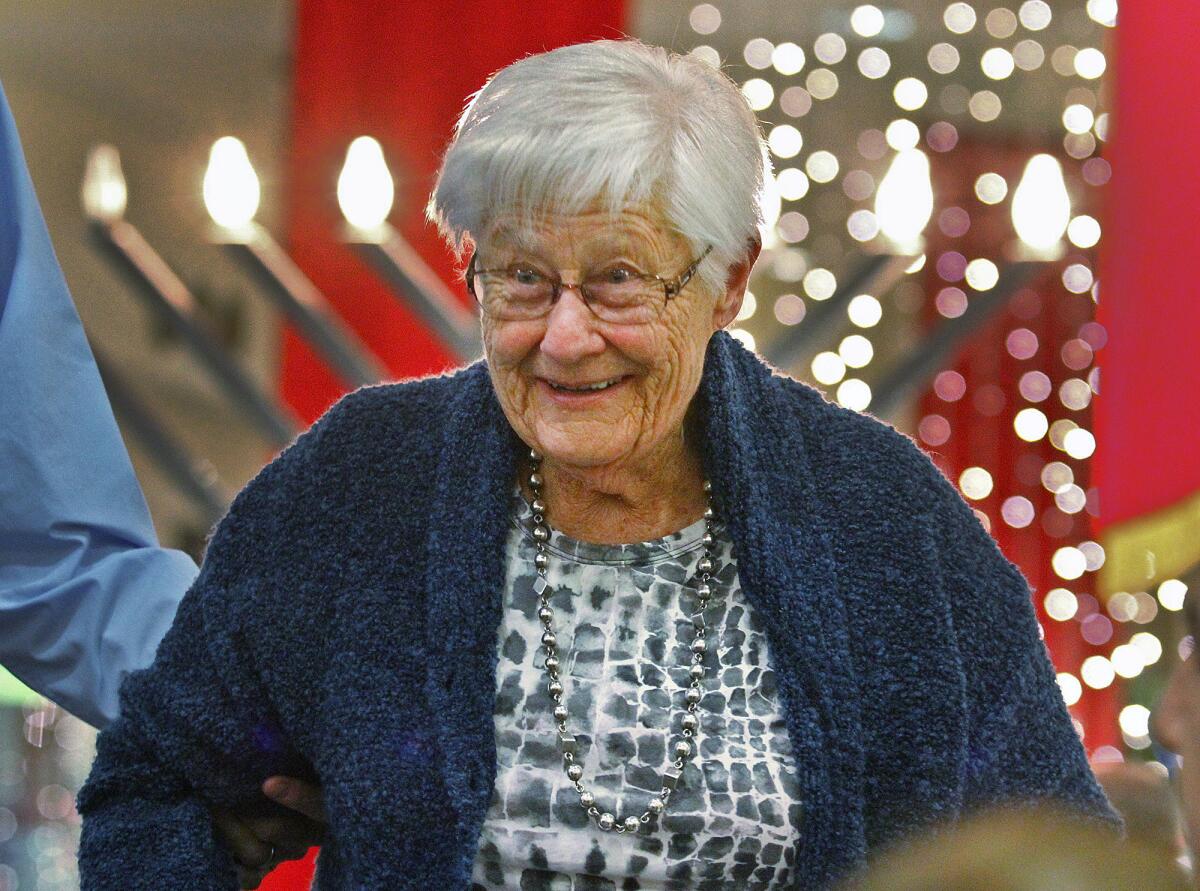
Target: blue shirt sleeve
{"type": "Point", "coordinates": [86, 593]}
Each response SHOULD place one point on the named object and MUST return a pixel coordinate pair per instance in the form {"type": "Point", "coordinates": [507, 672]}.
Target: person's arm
{"type": "Point", "coordinates": [198, 729]}
{"type": "Point", "coordinates": [1022, 746]}
{"type": "Point", "coordinates": [86, 593]}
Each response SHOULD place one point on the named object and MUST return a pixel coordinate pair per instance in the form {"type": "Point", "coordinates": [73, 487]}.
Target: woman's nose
{"type": "Point", "coordinates": [571, 328]}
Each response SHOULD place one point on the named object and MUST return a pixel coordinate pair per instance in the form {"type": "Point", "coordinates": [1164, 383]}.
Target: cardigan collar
{"type": "Point", "coordinates": [765, 489]}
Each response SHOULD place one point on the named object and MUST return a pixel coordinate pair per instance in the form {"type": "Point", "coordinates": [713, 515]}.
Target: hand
{"type": "Point", "coordinates": [258, 844]}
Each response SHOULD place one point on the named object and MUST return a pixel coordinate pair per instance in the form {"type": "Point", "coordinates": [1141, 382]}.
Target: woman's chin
{"type": "Point", "coordinates": [582, 449]}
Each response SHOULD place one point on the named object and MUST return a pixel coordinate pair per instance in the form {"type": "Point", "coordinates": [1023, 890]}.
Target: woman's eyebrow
{"type": "Point", "coordinates": [512, 238]}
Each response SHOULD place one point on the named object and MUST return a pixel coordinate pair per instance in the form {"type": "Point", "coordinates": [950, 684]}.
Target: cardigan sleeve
{"type": "Point", "coordinates": [196, 728]}
{"type": "Point", "coordinates": [1022, 747]}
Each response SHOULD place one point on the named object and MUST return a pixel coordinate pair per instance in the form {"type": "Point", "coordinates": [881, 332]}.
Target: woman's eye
{"type": "Point", "coordinates": [617, 275]}
{"type": "Point", "coordinates": [526, 276]}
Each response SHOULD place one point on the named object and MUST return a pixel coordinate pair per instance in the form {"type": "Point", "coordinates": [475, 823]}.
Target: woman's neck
{"type": "Point", "coordinates": [623, 503]}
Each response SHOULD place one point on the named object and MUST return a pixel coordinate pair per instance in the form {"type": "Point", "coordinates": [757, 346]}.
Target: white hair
{"type": "Point", "coordinates": [616, 122]}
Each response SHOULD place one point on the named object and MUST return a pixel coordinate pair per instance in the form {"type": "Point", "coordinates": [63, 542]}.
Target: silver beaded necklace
{"type": "Point", "coordinates": [690, 722]}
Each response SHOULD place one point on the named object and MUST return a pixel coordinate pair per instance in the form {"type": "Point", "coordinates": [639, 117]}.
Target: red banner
{"type": "Point", "coordinates": [1148, 440]}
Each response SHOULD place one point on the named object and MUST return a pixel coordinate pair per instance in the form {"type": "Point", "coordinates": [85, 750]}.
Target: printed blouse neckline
{"type": "Point", "coordinates": [642, 553]}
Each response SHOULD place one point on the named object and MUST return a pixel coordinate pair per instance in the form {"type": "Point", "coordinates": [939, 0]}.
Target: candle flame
{"type": "Point", "coordinates": [904, 201]}
{"type": "Point", "coordinates": [365, 189]}
{"type": "Point", "coordinates": [104, 194]}
{"type": "Point", "coordinates": [1041, 207]}
{"type": "Point", "coordinates": [231, 189]}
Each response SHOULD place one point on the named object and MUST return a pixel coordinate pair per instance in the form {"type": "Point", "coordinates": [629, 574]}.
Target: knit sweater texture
{"type": "Point", "coordinates": [344, 625]}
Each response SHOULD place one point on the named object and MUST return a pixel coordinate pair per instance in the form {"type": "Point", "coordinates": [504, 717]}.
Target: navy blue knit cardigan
{"type": "Point", "coordinates": [344, 626]}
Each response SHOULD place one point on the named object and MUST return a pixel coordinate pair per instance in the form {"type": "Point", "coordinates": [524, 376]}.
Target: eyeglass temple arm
{"type": "Point", "coordinates": [676, 286]}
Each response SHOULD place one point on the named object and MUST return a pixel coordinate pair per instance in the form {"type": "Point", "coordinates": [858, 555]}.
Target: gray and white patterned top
{"type": "Point", "coordinates": [623, 636]}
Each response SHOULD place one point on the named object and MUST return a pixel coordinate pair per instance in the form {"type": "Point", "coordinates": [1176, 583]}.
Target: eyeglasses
{"type": "Point", "coordinates": [617, 294]}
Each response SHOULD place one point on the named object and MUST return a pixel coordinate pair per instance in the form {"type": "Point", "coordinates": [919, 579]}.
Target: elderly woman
{"type": "Point", "coordinates": [617, 607]}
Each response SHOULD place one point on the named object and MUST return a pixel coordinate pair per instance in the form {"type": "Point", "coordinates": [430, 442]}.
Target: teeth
{"type": "Point", "coordinates": [603, 385]}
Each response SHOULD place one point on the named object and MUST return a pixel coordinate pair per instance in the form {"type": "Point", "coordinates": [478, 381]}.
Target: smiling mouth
{"type": "Point", "coordinates": [584, 388]}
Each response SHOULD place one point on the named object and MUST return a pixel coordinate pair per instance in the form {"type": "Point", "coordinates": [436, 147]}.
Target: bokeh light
{"type": "Point", "coordinates": [984, 106]}
{"type": "Point", "coordinates": [866, 20]}
{"type": "Point", "coordinates": [856, 351]}
{"type": "Point", "coordinates": [997, 63]}
{"type": "Point", "coordinates": [819, 284]}
{"type": "Point", "coordinates": [1030, 424]}
{"type": "Point", "coordinates": [1171, 594]}
{"type": "Point", "coordinates": [792, 184]}
{"type": "Point", "coordinates": [982, 274]}
{"type": "Point", "coordinates": [991, 188]}
{"type": "Point", "coordinates": [1070, 687]}
{"type": "Point", "coordinates": [1097, 672]}
{"type": "Point", "coordinates": [943, 58]}
{"type": "Point", "coordinates": [864, 311]}
{"type": "Point", "coordinates": [787, 58]}
{"type": "Point", "coordinates": [757, 53]}
{"type": "Point", "coordinates": [1084, 231]}
{"type": "Point", "coordinates": [828, 368]}
{"type": "Point", "coordinates": [902, 134]}
{"type": "Point", "coordinates": [910, 93]}
{"type": "Point", "coordinates": [1069, 563]}
{"type": "Point", "coordinates": [821, 166]}
{"type": "Point", "coordinates": [704, 18]}
{"type": "Point", "coordinates": [821, 83]}
{"type": "Point", "coordinates": [785, 141]}
{"type": "Point", "coordinates": [759, 94]}
{"type": "Point", "coordinates": [1090, 63]}
{"type": "Point", "coordinates": [874, 62]}
{"type": "Point", "coordinates": [830, 48]}
{"type": "Point", "coordinates": [789, 309]}
{"type": "Point", "coordinates": [1028, 55]}
{"type": "Point", "coordinates": [1017, 511]}
{"type": "Point", "coordinates": [959, 18]}
{"type": "Point", "coordinates": [975, 483]}
{"type": "Point", "coordinates": [854, 394]}
{"type": "Point", "coordinates": [1103, 11]}
{"type": "Point", "coordinates": [1061, 604]}
{"type": "Point", "coordinates": [1035, 14]}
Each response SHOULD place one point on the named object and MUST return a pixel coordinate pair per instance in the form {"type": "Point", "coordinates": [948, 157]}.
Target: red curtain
{"type": "Point", "coordinates": [401, 71]}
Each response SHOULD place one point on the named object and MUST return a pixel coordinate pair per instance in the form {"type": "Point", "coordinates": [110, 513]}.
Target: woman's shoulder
{"type": "Point", "coordinates": [370, 434]}
{"type": "Point", "coordinates": [844, 444]}
{"type": "Point", "coordinates": [413, 405]}
{"type": "Point", "coordinates": [838, 442]}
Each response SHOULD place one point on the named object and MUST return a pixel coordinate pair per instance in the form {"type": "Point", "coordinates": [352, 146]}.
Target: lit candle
{"type": "Point", "coordinates": [365, 193]}
{"type": "Point", "coordinates": [904, 202]}
{"type": "Point", "coordinates": [1041, 208]}
{"type": "Point", "coordinates": [231, 195]}
{"type": "Point", "coordinates": [104, 197]}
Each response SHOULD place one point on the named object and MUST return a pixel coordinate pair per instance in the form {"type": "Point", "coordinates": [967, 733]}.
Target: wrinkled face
{"type": "Point", "coordinates": [540, 367]}
{"type": "Point", "coordinates": [1176, 725]}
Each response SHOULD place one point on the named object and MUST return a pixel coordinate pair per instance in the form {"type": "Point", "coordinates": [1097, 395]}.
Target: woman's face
{"type": "Point", "coordinates": [539, 368]}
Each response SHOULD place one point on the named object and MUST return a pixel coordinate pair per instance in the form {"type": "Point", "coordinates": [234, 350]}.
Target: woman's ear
{"type": "Point", "coordinates": [729, 304]}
